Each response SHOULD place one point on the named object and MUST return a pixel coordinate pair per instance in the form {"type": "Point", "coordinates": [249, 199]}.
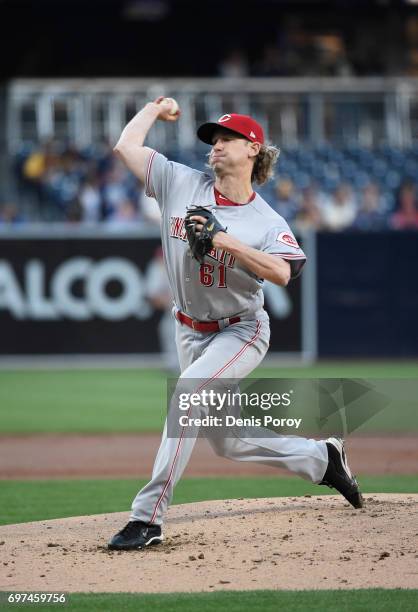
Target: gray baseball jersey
{"type": "Point", "coordinates": [221, 287]}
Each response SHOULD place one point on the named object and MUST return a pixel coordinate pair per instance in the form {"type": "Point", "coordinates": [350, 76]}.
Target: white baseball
{"type": "Point", "coordinates": [174, 106]}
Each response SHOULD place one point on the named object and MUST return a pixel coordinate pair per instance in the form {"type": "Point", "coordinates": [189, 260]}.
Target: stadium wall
{"type": "Point", "coordinates": [75, 294]}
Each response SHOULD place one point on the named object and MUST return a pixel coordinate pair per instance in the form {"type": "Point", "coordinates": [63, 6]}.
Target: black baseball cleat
{"type": "Point", "coordinates": [136, 535]}
{"type": "Point", "coordinates": [338, 475]}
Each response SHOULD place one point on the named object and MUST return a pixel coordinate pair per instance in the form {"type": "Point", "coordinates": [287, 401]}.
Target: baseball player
{"type": "Point", "coordinates": [220, 241]}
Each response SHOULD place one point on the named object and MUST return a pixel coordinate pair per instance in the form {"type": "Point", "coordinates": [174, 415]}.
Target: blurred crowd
{"type": "Point", "coordinates": [345, 208]}
{"type": "Point", "coordinates": [58, 183]}
{"type": "Point", "coordinates": [55, 184]}
{"type": "Point", "coordinates": [298, 50]}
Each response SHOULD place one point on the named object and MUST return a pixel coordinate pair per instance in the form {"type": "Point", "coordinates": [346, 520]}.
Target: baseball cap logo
{"type": "Point", "coordinates": [242, 124]}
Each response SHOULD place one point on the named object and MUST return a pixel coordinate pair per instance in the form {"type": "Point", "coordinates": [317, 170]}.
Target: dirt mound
{"type": "Point", "coordinates": [282, 543]}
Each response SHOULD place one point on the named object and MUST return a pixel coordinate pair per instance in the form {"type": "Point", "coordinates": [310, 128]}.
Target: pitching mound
{"type": "Point", "coordinates": [283, 543]}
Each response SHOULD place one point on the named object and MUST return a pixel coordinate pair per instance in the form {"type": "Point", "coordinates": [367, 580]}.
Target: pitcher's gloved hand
{"type": "Point", "coordinates": [200, 242]}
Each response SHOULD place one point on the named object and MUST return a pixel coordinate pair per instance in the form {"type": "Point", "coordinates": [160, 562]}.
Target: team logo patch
{"type": "Point", "coordinates": [224, 118]}
{"type": "Point", "coordinates": [288, 239]}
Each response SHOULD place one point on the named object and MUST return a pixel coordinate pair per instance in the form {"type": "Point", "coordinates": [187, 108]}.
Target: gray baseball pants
{"type": "Point", "coordinates": [231, 353]}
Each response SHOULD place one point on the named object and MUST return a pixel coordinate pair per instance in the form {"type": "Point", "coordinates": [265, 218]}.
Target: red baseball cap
{"type": "Point", "coordinates": [243, 124]}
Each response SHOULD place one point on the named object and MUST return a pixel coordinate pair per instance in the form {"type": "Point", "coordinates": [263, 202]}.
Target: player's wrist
{"type": "Point", "coordinates": [220, 240]}
{"type": "Point", "coordinates": [153, 109]}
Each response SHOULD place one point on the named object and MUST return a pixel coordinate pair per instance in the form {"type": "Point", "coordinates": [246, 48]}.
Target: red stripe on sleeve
{"type": "Point", "coordinates": [147, 187]}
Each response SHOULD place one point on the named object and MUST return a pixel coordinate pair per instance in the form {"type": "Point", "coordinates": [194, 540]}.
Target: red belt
{"type": "Point", "coordinates": [203, 326]}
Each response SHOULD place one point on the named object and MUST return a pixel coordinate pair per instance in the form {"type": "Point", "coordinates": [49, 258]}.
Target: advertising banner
{"type": "Point", "coordinates": [75, 295]}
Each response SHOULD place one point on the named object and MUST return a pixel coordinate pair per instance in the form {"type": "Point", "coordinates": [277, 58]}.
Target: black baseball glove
{"type": "Point", "coordinates": [201, 243]}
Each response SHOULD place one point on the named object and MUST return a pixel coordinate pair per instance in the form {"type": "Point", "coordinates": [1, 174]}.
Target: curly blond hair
{"type": "Point", "coordinates": [263, 169]}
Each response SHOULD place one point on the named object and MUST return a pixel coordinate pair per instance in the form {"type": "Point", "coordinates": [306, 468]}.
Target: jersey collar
{"type": "Point", "coordinates": [221, 200]}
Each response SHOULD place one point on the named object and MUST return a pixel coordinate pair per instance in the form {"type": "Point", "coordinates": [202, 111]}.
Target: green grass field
{"type": "Point", "coordinates": [103, 401]}
{"type": "Point", "coordinates": [366, 600]}
{"type": "Point", "coordinates": [23, 501]}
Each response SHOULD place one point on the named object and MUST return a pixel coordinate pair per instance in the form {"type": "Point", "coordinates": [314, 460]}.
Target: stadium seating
{"type": "Point", "coordinates": [325, 167]}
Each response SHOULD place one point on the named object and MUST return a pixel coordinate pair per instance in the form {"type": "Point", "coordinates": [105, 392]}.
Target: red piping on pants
{"type": "Point", "coordinates": [249, 343]}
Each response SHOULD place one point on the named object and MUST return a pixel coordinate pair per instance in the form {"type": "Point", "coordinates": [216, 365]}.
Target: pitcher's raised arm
{"type": "Point", "coordinates": [130, 146]}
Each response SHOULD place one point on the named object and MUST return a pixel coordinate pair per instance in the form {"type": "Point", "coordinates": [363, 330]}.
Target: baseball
{"type": "Point", "coordinates": [174, 106]}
